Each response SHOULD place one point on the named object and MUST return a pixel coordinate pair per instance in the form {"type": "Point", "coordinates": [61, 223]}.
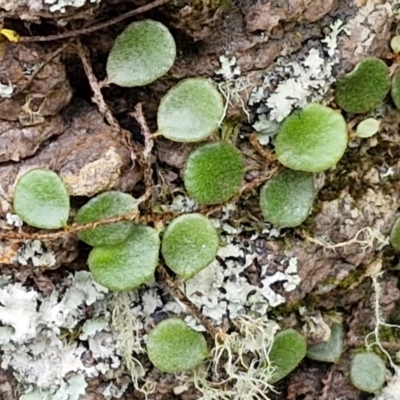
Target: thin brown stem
{"type": "Point", "coordinates": [91, 29]}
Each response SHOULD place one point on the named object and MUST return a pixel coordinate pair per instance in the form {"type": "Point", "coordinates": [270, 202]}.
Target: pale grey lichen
{"type": "Point", "coordinates": [61, 5]}
{"type": "Point", "coordinates": [34, 251]}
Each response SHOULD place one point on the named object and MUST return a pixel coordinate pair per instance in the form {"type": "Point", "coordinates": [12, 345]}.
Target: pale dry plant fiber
{"type": "Point", "coordinates": [244, 357]}
{"type": "Point", "coordinates": [128, 326]}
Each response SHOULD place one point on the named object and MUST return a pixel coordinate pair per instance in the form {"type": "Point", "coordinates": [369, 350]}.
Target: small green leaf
{"type": "Point", "coordinates": [190, 111]}
{"type": "Point", "coordinates": [103, 206]}
{"type": "Point", "coordinates": [367, 128]}
{"type": "Point", "coordinates": [214, 173]}
{"type": "Point", "coordinates": [395, 90]}
{"type": "Point", "coordinates": [331, 350]}
{"type": "Point", "coordinates": [142, 53]}
{"type": "Point", "coordinates": [312, 139]}
{"type": "Point", "coordinates": [129, 264]}
{"type": "Point", "coordinates": [395, 235]}
{"type": "Point", "coordinates": [189, 244]}
{"type": "Point", "coordinates": [288, 349]}
{"type": "Point", "coordinates": [286, 199]}
{"type": "Point", "coordinates": [173, 347]}
{"type": "Point", "coordinates": [367, 372]}
{"type": "Point", "coordinates": [364, 87]}
{"type": "Point", "coordinates": [41, 199]}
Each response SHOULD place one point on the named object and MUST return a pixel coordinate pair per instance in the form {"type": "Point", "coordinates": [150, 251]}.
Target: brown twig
{"type": "Point", "coordinates": [90, 29]}
{"type": "Point", "coordinates": [177, 293]}
{"type": "Point", "coordinates": [144, 157]}
{"type": "Point", "coordinates": [98, 98]}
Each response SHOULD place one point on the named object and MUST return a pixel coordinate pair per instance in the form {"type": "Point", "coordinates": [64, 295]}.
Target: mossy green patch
{"type": "Point", "coordinates": [214, 173]}
{"type": "Point", "coordinates": [173, 347]}
{"type": "Point", "coordinates": [364, 87]}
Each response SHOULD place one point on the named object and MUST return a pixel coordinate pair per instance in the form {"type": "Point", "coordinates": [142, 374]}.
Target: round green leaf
{"type": "Point", "coordinates": [288, 349]}
{"type": "Point", "coordinates": [364, 87]}
{"type": "Point", "coordinates": [395, 90]}
{"type": "Point", "coordinates": [189, 244]}
{"type": "Point", "coordinates": [395, 235]}
{"type": "Point", "coordinates": [214, 173]}
{"type": "Point", "coordinates": [367, 372]}
{"type": "Point", "coordinates": [331, 350]}
{"type": "Point", "coordinates": [173, 347]}
{"type": "Point", "coordinates": [367, 128]}
{"type": "Point", "coordinates": [286, 199]}
{"type": "Point", "coordinates": [41, 199]}
{"type": "Point", "coordinates": [190, 111]}
{"type": "Point", "coordinates": [129, 264]}
{"type": "Point", "coordinates": [312, 139]}
{"type": "Point", "coordinates": [142, 53]}
{"type": "Point", "coordinates": [106, 205]}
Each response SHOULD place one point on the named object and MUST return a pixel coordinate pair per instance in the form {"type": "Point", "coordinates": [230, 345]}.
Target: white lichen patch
{"type": "Point", "coordinates": [34, 251]}
{"type": "Point", "coordinates": [295, 82]}
{"type": "Point", "coordinates": [6, 91]}
{"type": "Point", "coordinates": [61, 5]}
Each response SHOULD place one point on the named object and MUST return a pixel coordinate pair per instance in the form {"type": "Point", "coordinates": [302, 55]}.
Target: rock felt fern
{"type": "Point", "coordinates": [364, 87]}
{"type": "Point", "coordinates": [189, 244]}
{"type": "Point", "coordinates": [106, 205]}
{"type": "Point", "coordinates": [286, 199]}
{"type": "Point", "coordinates": [142, 53]}
{"type": "Point", "coordinates": [41, 199]}
{"type": "Point", "coordinates": [312, 139]}
{"type": "Point", "coordinates": [214, 173]}
{"type": "Point", "coordinates": [173, 347]}
{"type": "Point", "coordinates": [129, 264]}
{"type": "Point", "coordinates": [190, 111]}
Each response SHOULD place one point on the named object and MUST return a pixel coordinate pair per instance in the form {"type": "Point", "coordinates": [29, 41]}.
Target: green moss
{"type": "Point", "coordinates": [364, 87]}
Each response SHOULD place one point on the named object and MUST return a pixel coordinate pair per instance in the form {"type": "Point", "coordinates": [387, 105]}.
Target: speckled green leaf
{"type": "Point", "coordinates": [286, 199]}
{"type": "Point", "coordinates": [129, 264]}
{"type": "Point", "coordinates": [142, 53]}
{"type": "Point", "coordinates": [364, 87]}
{"type": "Point", "coordinates": [367, 372]}
{"type": "Point", "coordinates": [41, 199]}
{"type": "Point", "coordinates": [173, 347]}
{"type": "Point", "coordinates": [288, 349]}
{"type": "Point", "coordinates": [103, 206]}
{"type": "Point", "coordinates": [190, 111]}
{"type": "Point", "coordinates": [331, 350]}
{"type": "Point", "coordinates": [214, 173]}
{"type": "Point", "coordinates": [312, 139]}
{"type": "Point", "coordinates": [189, 244]}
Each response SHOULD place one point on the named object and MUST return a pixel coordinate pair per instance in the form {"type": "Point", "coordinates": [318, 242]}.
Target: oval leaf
{"type": "Point", "coordinates": [367, 128]}
{"type": "Point", "coordinates": [214, 173]}
{"type": "Point", "coordinates": [189, 244]}
{"type": "Point", "coordinates": [142, 53]}
{"type": "Point", "coordinates": [41, 199]}
{"type": "Point", "coordinates": [288, 349]}
{"type": "Point", "coordinates": [395, 90]}
{"type": "Point", "coordinates": [129, 264]}
{"type": "Point", "coordinates": [395, 235]}
{"type": "Point", "coordinates": [173, 347]}
{"type": "Point", "coordinates": [364, 88]}
{"type": "Point", "coordinates": [286, 199]}
{"type": "Point", "coordinates": [313, 139]}
{"type": "Point", "coordinates": [106, 205]}
{"type": "Point", "coordinates": [190, 111]}
{"type": "Point", "coordinates": [367, 372]}
{"type": "Point", "coordinates": [331, 350]}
